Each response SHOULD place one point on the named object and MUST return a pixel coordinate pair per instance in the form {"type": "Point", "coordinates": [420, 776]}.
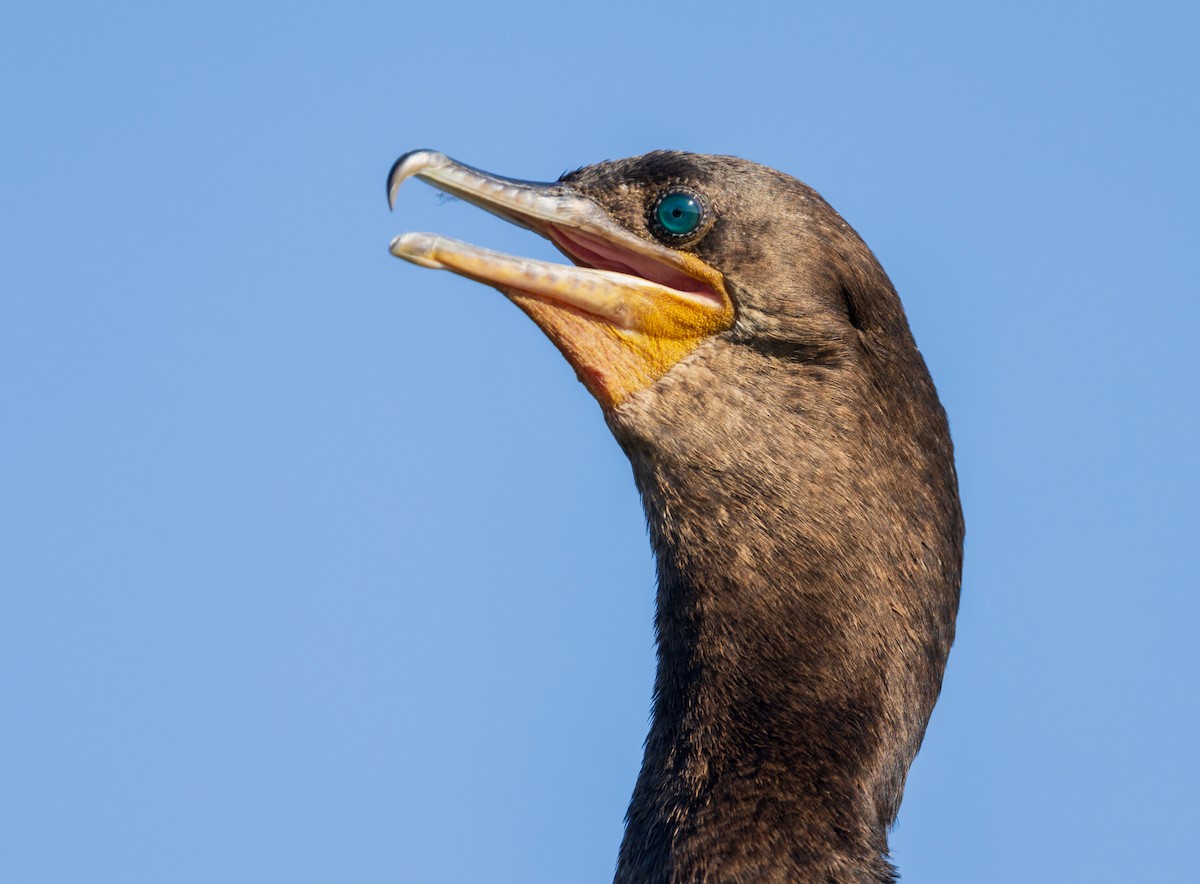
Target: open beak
{"type": "Point", "coordinates": [627, 311]}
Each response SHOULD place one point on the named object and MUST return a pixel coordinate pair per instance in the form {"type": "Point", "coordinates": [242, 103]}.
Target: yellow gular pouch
{"type": "Point", "coordinates": [640, 336]}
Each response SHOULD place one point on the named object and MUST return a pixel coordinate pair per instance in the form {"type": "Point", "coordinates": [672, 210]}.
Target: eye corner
{"type": "Point", "coordinates": [679, 215]}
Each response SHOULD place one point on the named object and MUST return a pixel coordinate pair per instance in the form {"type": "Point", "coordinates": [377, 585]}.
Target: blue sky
{"type": "Point", "coordinates": [317, 567]}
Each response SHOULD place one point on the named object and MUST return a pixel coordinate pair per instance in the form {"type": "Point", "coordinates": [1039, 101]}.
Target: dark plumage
{"type": "Point", "coordinates": [798, 480]}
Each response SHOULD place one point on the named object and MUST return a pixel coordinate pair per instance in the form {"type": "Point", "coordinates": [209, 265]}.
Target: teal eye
{"type": "Point", "coordinates": [677, 214]}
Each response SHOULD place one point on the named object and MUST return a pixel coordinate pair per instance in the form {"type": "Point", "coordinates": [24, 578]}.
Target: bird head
{"type": "Point", "coordinates": [671, 250]}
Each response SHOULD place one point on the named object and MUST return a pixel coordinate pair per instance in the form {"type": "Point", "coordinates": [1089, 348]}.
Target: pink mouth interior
{"type": "Point", "coordinates": [588, 251]}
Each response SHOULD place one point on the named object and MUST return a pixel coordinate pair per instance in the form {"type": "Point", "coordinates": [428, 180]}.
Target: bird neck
{"type": "Point", "coordinates": [808, 581]}
{"type": "Point", "coordinates": [751, 772]}
{"type": "Point", "coordinates": [802, 628]}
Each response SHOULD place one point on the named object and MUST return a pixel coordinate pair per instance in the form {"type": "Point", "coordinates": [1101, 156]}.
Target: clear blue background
{"type": "Point", "coordinates": [318, 567]}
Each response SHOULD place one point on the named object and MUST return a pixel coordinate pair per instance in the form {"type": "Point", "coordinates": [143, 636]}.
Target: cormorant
{"type": "Point", "coordinates": [754, 362]}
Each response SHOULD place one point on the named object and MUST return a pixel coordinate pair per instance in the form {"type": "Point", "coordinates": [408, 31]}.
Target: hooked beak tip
{"type": "Point", "coordinates": [412, 163]}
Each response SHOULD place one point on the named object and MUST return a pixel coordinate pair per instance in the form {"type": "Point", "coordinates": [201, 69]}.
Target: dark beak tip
{"type": "Point", "coordinates": [394, 171]}
{"type": "Point", "coordinates": [391, 191]}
